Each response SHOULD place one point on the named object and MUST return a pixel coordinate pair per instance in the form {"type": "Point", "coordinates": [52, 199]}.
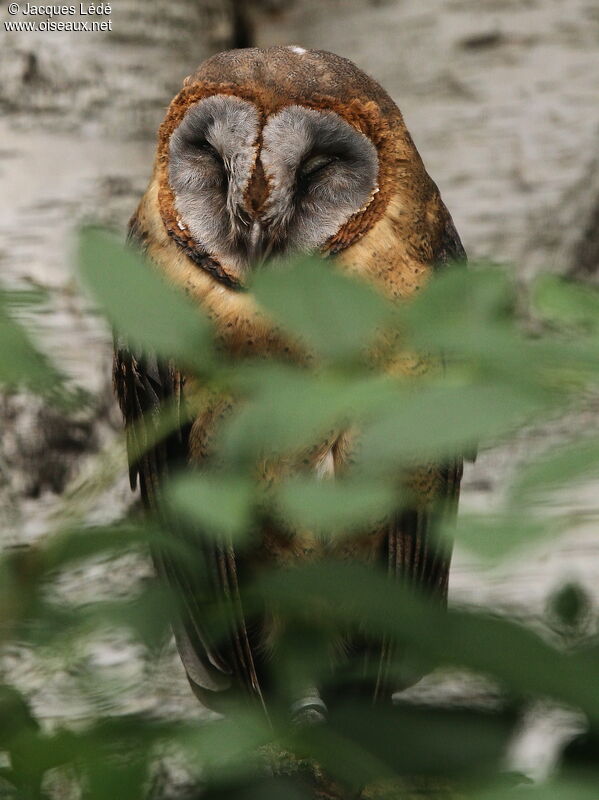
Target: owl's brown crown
{"type": "Point", "coordinates": [294, 75]}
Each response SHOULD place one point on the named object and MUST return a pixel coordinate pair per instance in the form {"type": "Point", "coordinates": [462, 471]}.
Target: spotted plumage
{"type": "Point", "coordinates": [262, 153]}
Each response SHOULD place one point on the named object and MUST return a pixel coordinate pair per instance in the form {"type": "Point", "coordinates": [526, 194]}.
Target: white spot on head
{"type": "Point", "coordinates": [297, 49]}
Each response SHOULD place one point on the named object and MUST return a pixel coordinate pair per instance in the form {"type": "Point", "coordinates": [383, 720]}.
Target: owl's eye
{"type": "Point", "coordinates": [204, 146]}
{"type": "Point", "coordinates": [208, 148]}
{"type": "Point", "coordinates": [315, 164]}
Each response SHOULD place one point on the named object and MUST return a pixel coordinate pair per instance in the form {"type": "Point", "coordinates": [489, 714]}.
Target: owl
{"type": "Point", "coordinates": [263, 153]}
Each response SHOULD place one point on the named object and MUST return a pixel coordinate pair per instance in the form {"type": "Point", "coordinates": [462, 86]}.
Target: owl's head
{"type": "Point", "coordinates": [271, 151]}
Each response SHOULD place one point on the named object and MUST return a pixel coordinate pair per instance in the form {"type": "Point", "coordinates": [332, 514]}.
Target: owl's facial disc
{"type": "Point", "coordinates": [321, 171]}
{"type": "Point", "coordinates": [212, 155]}
{"type": "Point", "coordinates": [244, 197]}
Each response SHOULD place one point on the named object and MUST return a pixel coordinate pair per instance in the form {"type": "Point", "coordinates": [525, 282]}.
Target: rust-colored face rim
{"type": "Point", "coordinates": [364, 116]}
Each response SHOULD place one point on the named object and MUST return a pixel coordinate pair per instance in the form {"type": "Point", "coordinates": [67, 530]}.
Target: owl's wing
{"type": "Point", "coordinates": [450, 249]}
{"type": "Point", "coordinates": [415, 551]}
{"type": "Point", "coordinates": [144, 386]}
{"type": "Point", "coordinates": [449, 246]}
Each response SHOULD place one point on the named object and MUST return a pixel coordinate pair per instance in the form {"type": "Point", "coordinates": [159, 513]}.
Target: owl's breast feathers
{"type": "Point", "coordinates": [394, 243]}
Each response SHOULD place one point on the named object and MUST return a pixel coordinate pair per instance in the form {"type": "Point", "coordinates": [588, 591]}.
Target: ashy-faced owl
{"type": "Point", "coordinates": [264, 153]}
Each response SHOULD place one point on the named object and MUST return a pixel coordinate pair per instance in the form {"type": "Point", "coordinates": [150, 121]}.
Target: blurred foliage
{"type": "Point", "coordinates": [493, 363]}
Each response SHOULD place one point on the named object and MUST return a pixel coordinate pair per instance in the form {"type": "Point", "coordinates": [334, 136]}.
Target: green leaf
{"type": "Point", "coordinates": [459, 306]}
{"type": "Point", "coordinates": [287, 409]}
{"type": "Point", "coordinates": [227, 747]}
{"type": "Point", "coordinates": [470, 318]}
{"type": "Point", "coordinates": [146, 616]}
{"type": "Point", "coordinates": [567, 303]}
{"type": "Point", "coordinates": [73, 545]}
{"type": "Point", "coordinates": [274, 788]}
{"type": "Point", "coordinates": [558, 789]}
{"type": "Point", "coordinates": [334, 314]}
{"type": "Point", "coordinates": [22, 366]}
{"type": "Point", "coordinates": [497, 535]}
{"type": "Point", "coordinates": [144, 308]}
{"type": "Point", "coordinates": [441, 420]}
{"type": "Point", "coordinates": [118, 776]}
{"type": "Point", "coordinates": [336, 506]}
{"type": "Point", "coordinates": [570, 607]}
{"type": "Point", "coordinates": [23, 298]}
{"type": "Point", "coordinates": [515, 656]}
{"type": "Point", "coordinates": [560, 466]}
{"type": "Point", "coordinates": [412, 740]}
{"type": "Point", "coordinates": [15, 715]}
{"type": "Point", "coordinates": [221, 505]}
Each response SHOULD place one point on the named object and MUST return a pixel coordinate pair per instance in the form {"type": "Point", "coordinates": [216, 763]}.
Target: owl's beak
{"type": "Point", "coordinates": [259, 249]}
{"type": "Point", "coordinates": [256, 196]}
